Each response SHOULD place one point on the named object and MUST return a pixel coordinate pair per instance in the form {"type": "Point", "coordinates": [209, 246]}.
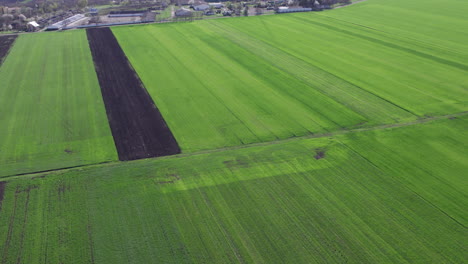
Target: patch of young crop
{"type": "Point", "coordinates": [268, 203]}
{"type": "Point", "coordinates": [52, 110]}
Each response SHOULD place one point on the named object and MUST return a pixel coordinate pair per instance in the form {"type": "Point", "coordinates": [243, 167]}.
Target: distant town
{"type": "Point", "coordinates": [36, 15]}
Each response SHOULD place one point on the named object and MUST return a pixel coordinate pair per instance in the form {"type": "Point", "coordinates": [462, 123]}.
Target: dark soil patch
{"type": "Point", "coordinates": [137, 126]}
{"type": "Point", "coordinates": [61, 189]}
{"type": "Point", "coordinates": [2, 193]}
{"type": "Point", "coordinates": [319, 154]}
{"type": "Point", "coordinates": [236, 163]}
{"type": "Point", "coordinates": [6, 42]}
{"type": "Point", "coordinates": [27, 189]}
{"type": "Point", "coordinates": [68, 151]}
{"type": "Point", "coordinates": [174, 178]}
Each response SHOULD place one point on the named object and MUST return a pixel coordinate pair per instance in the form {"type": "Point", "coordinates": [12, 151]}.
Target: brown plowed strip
{"type": "Point", "coordinates": [6, 42]}
{"type": "Point", "coordinates": [137, 126]}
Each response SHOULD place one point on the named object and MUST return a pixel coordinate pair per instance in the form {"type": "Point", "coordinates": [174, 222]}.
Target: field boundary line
{"type": "Point", "coordinates": [252, 145]}
{"type": "Point", "coordinates": [352, 3]}
{"type": "Point", "coordinates": [435, 206]}
{"type": "Point", "coordinates": [348, 82]}
{"type": "Point", "coordinates": [402, 183]}
{"type": "Point", "coordinates": [420, 54]}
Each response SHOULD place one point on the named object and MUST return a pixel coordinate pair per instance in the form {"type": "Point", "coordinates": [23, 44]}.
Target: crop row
{"type": "Point", "coordinates": [278, 203]}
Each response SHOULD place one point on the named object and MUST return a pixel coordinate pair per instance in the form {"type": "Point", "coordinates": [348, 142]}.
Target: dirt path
{"type": "Point", "coordinates": [2, 192]}
{"type": "Point", "coordinates": [332, 134]}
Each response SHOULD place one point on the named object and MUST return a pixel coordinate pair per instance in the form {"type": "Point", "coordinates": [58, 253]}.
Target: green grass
{"type": "Point", "coordinates": [267, 204]}
{"type": "Point", "coordinates": [236, 81]}
{"type": "Point", "coordinates": [429, 24]}
{"type": "Point", "coordinates": [210, 99]}
{"type": "Point", "coordinates": [381, 194]}
{"type": "Point", "coordinates": [164, 14]}
{"type": "Point", "coordinates": [52, 113]}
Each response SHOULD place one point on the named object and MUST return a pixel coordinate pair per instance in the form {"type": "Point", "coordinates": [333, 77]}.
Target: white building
{"type": "Point", "coordinates": [32, 26]}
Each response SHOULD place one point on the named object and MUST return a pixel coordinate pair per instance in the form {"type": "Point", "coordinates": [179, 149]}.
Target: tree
{"type": "Point", "coordinates": [22, 18]}
{"type": "Point", "coordinates": [238, 9]}
{"type": "Point", "coordinates": [82, 3]}
{"type": "Point", "coordinates": [95, 19]}
{"type": "Point", "coordinates": [6, 21]}
{"type": "Point", "coordinates": [306, 3]}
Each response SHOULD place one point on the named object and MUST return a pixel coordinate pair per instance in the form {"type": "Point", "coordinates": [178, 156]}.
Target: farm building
{"type": "Point", "coordinates": [201, 7]}
{"type": "Point", "coordinates": [128, 13]}
{"type": "Point", "coordinates": [293, 10]}
{"type": "Point", "coordinates": [32, 26]}
{"type": "Point", "coordinates": [93, 11]}
{"type": "Point", "coordinates": [183, 12]}
{"type": "Point", "coordinates": [65, 22]}
{"type": "Point", "coordinates": [216, 5]}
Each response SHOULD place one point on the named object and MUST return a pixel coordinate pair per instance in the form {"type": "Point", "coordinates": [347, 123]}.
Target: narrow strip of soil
{"type": "Point", "coordinates": [6, 42]}
{"type": "Point", "coordinates": [137, 126]}
{"type": "Point", "coordinates": [2, 193]}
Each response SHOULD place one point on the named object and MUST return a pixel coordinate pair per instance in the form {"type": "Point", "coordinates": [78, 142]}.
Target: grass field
{"type": "Point", "coordinates": [275, 203]}
{"type": "Point", "coordinates": [326, 137]}
{"type": "Point", "coordinates": [210, 100]}
{"type": "Point", "coordinates": [435, 27]}
{"type": "Point", "coordinates": [236, 81]}
{"type": "Point", "coordinates": [51, 110]}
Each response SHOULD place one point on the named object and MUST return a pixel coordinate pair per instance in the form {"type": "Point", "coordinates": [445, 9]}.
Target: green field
{"type": "Point", "coordinates": [51, 110]}
{"type": "Point", "coordinates": [267, 204]}
{"type": "Point", "coordinates": [326, 137]}
{"type": "Point", "coordinates": [236, 81]}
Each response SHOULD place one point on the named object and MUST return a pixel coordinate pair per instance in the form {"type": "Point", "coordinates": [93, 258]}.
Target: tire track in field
{"type": "Point", "coordinates": [323, 81]}
{"type": "Point", "coordinates": [405, 185]}
{"type": "Point", "coordinates": [222, 226]}
{"type": "Point", "coordinates": [209, 91]}
{"type": "Point", "coordinates": [414, 41]}
{"type": "Point", "coordinates": [9, 234]}
{"type": "Point", "coordinates": [284, 92]}
{"type": "Point", "coordinates": [348, 81]}
{"type": "Point", "coordinates": [245, 93]}
{"type": "Point", "coordinates": [252, 145]}
{"type": "Point", "coordinates": [2, 192]}
{"type": "Point", "coordinates": [420, 54]}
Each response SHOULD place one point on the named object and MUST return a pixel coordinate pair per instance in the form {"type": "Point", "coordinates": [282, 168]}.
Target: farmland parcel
{"type": "Point", "coordinates": [230, 82]}
{"type": "Point", "coordinates": [5, 44]}
{"type": "Point", "coordinates": [282, 203]}
{"type": "Point", "coordinates": [378, 91]}
{"type": "Point", "coordinates": [51, 109]}
{"type": "Point", "coordinates": [137, 126]}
